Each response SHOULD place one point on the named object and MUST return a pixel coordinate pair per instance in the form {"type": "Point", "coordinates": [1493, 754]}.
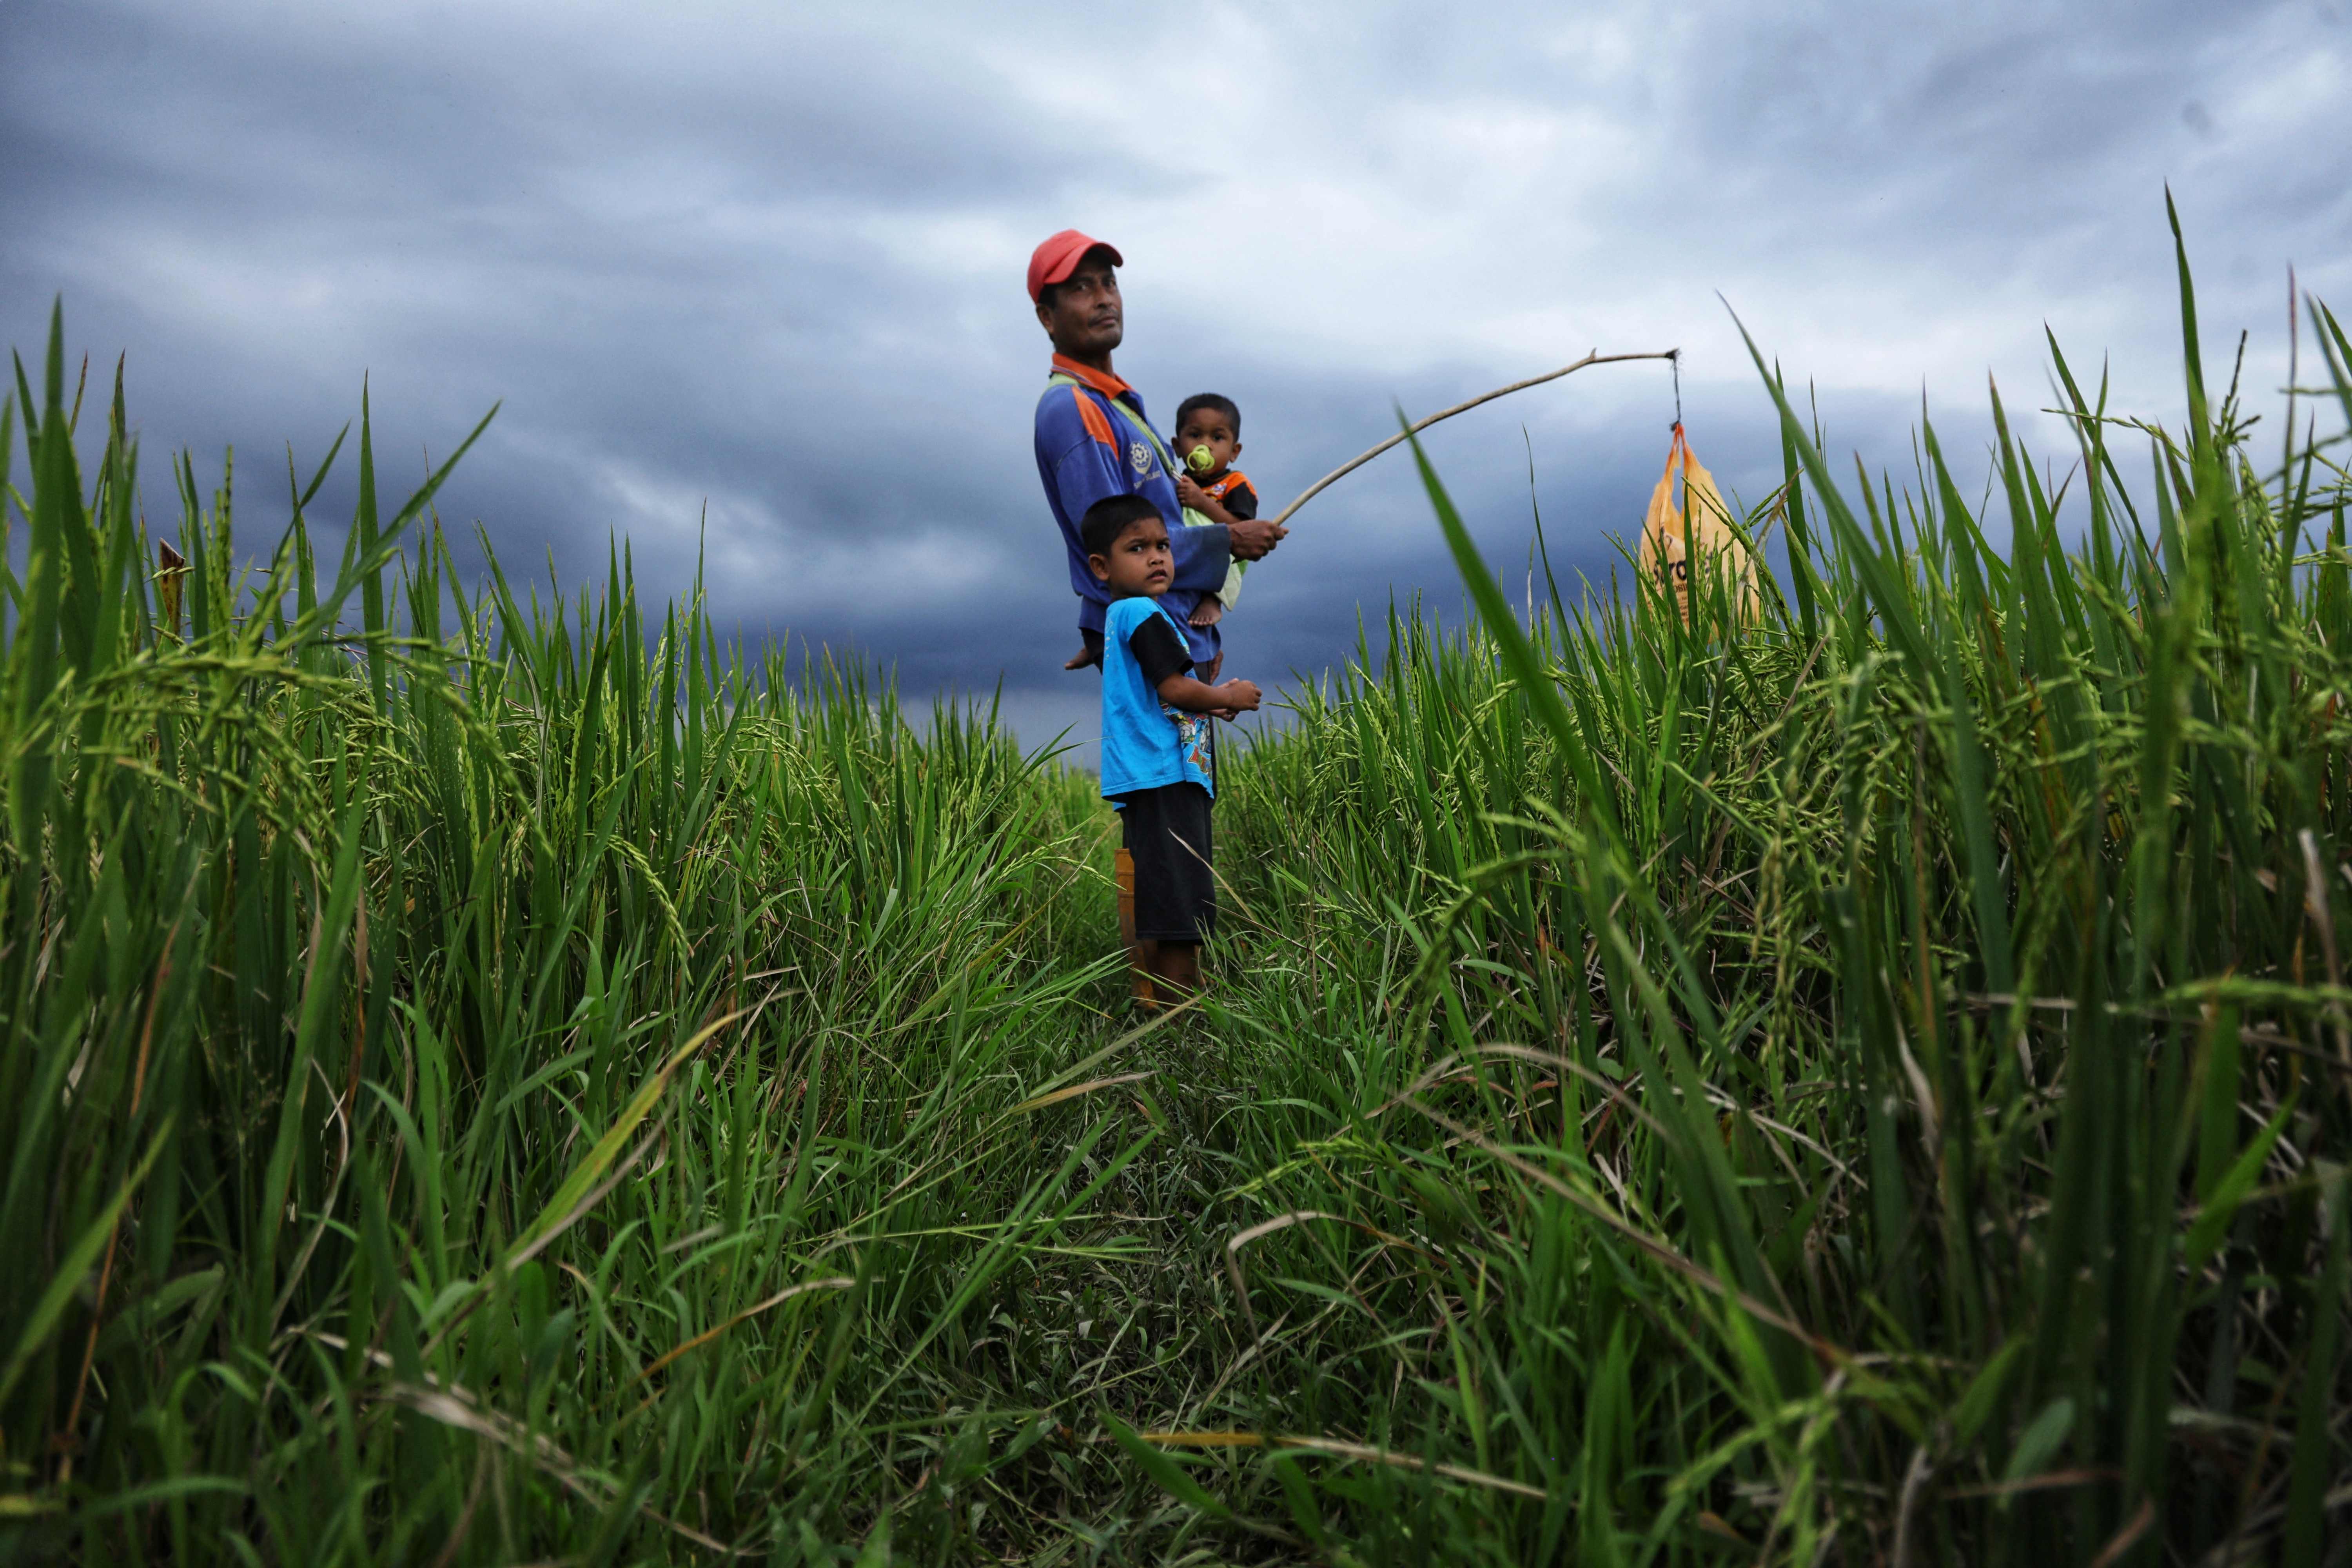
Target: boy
{"type": "Point", "coordinates": [1155, 745]}
{"type": "Point", "coordinates": [1210, 423]}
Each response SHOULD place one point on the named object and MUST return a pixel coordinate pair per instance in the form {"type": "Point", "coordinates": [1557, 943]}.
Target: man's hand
{"type": "Point", "coordinates": [1254, 539]}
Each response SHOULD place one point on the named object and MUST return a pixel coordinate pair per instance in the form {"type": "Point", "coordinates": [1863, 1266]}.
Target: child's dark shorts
{"type": "Point", "coordinates": [1166, 834]}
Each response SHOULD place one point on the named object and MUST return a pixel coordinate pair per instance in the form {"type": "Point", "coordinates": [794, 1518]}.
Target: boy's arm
{"type": "Point", "coordinates": [1160, 655]}
{"type": "Point", "coordinates": [1196, 695]}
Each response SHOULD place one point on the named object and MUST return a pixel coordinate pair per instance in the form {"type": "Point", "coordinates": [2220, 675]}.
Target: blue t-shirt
{"type": "Point", "coordinates": [1145, 742]}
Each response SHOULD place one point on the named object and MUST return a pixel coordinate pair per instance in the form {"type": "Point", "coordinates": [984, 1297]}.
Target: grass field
{"type": "Point", "coordinates": [494, 1075]}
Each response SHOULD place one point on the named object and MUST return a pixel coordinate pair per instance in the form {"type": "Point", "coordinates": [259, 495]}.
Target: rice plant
{"type": "Point", "coordinates": [497, 1074]}
{"type": "Point", "coordinates": [469, 1065]}
{"type": "Point", "coordinates": [1875, 1081]}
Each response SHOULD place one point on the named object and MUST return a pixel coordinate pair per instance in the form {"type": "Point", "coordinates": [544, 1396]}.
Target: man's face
{"type": "Point", "coordinates": [1140, 565]}
{"type": "Point", "coordinates": [1210, 428]}
{"type": "Point", "coordinates": [1083, 313]}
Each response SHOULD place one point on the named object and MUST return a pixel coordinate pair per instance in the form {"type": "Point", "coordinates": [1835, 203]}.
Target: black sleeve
{"type": "Point", "coordinates": [1241, 502]}
{"type": "Point", "coordinates": [1159, 651]}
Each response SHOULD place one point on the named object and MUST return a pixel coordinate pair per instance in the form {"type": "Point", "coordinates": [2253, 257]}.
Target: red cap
{"type": "Point", "coordinates": [1058, 257]}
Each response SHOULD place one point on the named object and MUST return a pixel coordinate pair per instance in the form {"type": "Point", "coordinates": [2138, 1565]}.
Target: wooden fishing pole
{"type": "Point", "coordinates": [1352, 464]}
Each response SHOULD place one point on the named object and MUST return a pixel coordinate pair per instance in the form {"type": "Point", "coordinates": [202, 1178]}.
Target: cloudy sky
{"type": "Point", "coordinates": [756, 269]}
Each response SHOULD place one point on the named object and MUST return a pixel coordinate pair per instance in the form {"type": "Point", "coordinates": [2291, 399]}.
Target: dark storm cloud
{"type": "Point", "coordinates": [746, 280]}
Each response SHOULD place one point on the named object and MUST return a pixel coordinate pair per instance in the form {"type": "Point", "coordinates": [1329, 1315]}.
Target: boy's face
{"type": "Point", "coordinates": [1208, 428]}
{"type": "Point", "coordinates": [1140, 565]}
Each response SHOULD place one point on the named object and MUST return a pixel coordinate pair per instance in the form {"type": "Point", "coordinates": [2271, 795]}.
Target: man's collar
{"type": "Point", "coordinates": [1101, 381]}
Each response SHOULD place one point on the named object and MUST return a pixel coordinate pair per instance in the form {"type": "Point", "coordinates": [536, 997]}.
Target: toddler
{"type": "Point", "coordinates": [1208, 439]}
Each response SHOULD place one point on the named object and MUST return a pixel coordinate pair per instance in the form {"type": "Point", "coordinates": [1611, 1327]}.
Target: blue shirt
{"type": "Point", "coordinates": [1145, 742]}
{"type": "Point", "coordinates": [1092, 442]}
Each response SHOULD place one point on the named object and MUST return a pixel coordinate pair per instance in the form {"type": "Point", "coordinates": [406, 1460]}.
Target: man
{"type": "Point", "coordinates": [1094, 440]}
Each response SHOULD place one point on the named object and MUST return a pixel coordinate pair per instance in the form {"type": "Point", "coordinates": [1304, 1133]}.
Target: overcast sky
{"type": "Point", "coordinates": [762, 265]}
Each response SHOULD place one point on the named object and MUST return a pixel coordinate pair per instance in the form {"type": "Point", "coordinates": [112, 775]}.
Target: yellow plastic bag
{"type": "Point", "coordinates": [1666, 537]}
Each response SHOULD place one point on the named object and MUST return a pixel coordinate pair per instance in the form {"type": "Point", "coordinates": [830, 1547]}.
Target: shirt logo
{"type": "Point", "coordinates": [1140, 455]}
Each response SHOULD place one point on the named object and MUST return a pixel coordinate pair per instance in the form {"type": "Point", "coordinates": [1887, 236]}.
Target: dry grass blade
{"type": "Point", "coordinates": [1337, 1448]}
{"type": "Point", "coordinates": [1040, 1102]}
{"type": "Point", "coordinates": [2133, 1528]}
{"type": "Point", "coordinates": [447, 1407]}
{"type": "Point", "coordinates": [2049, 1481]}
{"type": "Point", "coordinates": [1284, 1222]}
{"type": "Point", "coordinates": [838, 1282]}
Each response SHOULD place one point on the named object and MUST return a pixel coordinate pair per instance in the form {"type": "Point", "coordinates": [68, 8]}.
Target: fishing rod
{"type": "Point", "coordinates": [1352, 464]}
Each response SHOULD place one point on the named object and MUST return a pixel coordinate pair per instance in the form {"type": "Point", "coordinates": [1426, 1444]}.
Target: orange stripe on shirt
{"type": "Point", "coordinates": [1092, 417]}
{"type": "Point", "coordinates": [1101, 381]}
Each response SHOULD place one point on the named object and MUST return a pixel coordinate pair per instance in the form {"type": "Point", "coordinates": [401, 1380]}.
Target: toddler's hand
{"type": "Point", "coordinates": [1207, 613]}
{"type": "Point", "coordinates": [1190, 493]}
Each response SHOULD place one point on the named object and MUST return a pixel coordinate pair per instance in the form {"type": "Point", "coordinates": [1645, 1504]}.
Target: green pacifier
{"type": "Point", "coordinates": [1201, 459]}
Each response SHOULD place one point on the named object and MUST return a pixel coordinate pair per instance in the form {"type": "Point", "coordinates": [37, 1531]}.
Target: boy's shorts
{"type": "Point", "coordinates": [1166, 833]}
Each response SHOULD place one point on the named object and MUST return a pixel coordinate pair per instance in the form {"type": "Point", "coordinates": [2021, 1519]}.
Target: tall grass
{"type": "Point", "coordinates": [1866, 1082]}
{"type": "Point", "coordinates": [465, 1061]}
{"type": "Point", "coordinates": [1878, 1079]}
